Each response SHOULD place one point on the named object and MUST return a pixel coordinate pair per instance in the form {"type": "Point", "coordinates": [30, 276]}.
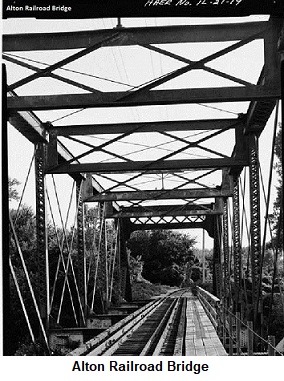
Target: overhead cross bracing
{"type": "Point", "coordinates": [120, 77]}
{"type": "Point", "coordinates": [167, 71]}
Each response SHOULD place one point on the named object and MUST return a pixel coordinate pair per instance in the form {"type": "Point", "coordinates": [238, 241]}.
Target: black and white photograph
{"type": "Point", "coordinates": [142, 188]}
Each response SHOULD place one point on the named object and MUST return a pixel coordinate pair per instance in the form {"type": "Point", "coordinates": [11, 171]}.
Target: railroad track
{"type": "Point", "coordinates": [152, 333]}
{"type": "Point", "coordinates": [174, 325]}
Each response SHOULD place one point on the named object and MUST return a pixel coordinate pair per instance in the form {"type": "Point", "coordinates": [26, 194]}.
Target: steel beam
{"type": "Point", "coordinates": [81, 258]}
{"type": "Point", "coordinates": [125, 283]}
{"type": "Point", "coordinates": [148, 166]}
{"type": "Point", "coordinates": [217, 270]}
{"type": "Point", "coordinates": [102, 284]}
{"type": "Point", "coordinates": [164, 226]}
{"type": "Point", "coordinates": [237, 245]}
{"type": "Point", "coordinates": [121, 128]}
{"type": "Point", "coordinates": [146, 98]}
{"type": "Point", "coordinates": [133, 36]}
{"type": "Point", "coordinates": [47, 70]}
{"type": "Point", "coordinates": [271, 56]}
{"type": "Point", "coordinates": [7, 321]}
{"type": "Point", "coordinates": [30, 126]}
{"type": "Point", "coordinates": [35, 131]}
{"type": "Point", "coordinates": [207, 224]}
{"type": "Point", "coordinates": [259, 112]}
{"type": "Point", "coordinates": [255, 230]}
{"type": "Point", "coordinates": [226, 253]}
{"type": "Point", "coordinates": [161, 194]}
{"type": "Point", "coordinates": [162, 211]}
{"type": "Point", "coordinates": [41, 234]}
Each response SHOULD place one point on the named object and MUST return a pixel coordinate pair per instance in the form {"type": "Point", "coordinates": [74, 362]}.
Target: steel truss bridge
{"type": "Point", "coordinates": [165, 183]}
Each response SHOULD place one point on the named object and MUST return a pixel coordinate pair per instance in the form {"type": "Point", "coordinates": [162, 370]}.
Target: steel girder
{"type": "Point", "coordinates": [164, 210]}
{"type": "Point", "coordinates": [36, 131]}
{"type": "Point", "coordinates": [42, 250]}
{"type": "Point", "coordinates": [206, 223]}
{"type": "Point", "coordinates": [125, 284]}
{"type": "Point", "coordinates": [81, 258]}
{"type": "Point", "coordinates": [122, 128]}
{"type": "Point", "coordinates": [217, 269]}
{"type": "Point", "coordinates": [103, 260]}
{"type": "Point", "coordinates": [132, 36]}
{"type": "Point", "coordinates": [226, 253]}
{"type": "Point", "coordinates": [237, 245]}
{"type": "Point", "coordinates": [149, 166]}
{"type": "Point", "coordinates": [255, 230]}
{"type": "Point", "coordinates": [156, 97]}
{"type": "Point", "coordinates": [164, 194]}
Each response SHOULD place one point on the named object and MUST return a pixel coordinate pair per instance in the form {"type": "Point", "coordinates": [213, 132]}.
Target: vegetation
{"type": "Point", "coordinates": [276, 218]}
{"type": "Point", "coordinates": [159, 260]}
{"type": "Point", "coordinates": [164, 254]}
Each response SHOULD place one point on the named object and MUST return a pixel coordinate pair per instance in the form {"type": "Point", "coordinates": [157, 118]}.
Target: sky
{"type": "Point", "coordinates": [122, 67]}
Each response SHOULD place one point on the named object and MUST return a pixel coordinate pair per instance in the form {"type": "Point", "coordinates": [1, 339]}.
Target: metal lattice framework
{"type": "Point", "coordinates": [169, 180]}
{"type": "Point", "coordinates": [42, 257]}
{"type": "Point", "coordinates": [81, 246]}
{"type": "Point", "coordinates": [255, 219]}
{"type": "Point", "coordinates": [237, 243]}
{"type": "Point", "coordinates": [226, 251]}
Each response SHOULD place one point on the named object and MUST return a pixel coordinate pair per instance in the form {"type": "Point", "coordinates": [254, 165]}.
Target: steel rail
{"type": "Point", "coordinates": [109, 346]}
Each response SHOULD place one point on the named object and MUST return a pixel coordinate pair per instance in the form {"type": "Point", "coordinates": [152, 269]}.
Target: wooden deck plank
{"type": "Point", "coordinates": [201, 339]}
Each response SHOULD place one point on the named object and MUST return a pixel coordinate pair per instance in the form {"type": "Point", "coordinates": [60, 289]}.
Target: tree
{"type": "Point", "coordinates": [276, 218]}
{"type": "Point", "coordinates": [164, 253]}
{"type": "Point", "coordinates": [12, 192]}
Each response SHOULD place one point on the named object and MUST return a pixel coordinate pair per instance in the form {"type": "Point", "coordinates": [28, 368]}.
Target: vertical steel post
{"type": "Point", "coordinates": [231, 350]}
{"type": "Point", "coordinates": [203, 256]}
{"type": "Point", "coordinates": [118, 261]}
{"type": "Point", "coordinates": [226, 250]}
{"type": "Point", "coordinates": [102, 265]}
{"type": "Point", "coordinates": [81, 258]}
{"type": "Point", "coordinates": [271, 346]}
{"type": "Point", "coordinates": [238, 332]}
{"type": "Point", "coordinates": [124, 264]}
{"type": "Point", "coordinates": [42, 251]}
{"type": "Point", "coordinates": [217, 272]}
{"type": "Point", "coordinates": [7, 321]}
{"type": "Point", "coordinates": [236, 245]}
{"type": "Point", "coordinates": [250, 338]}
{"type": "Point", "coordinates": [255, 222]}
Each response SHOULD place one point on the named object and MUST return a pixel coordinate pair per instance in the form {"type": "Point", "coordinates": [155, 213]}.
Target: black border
{"type": "Point", "coordinates": [138, 8]}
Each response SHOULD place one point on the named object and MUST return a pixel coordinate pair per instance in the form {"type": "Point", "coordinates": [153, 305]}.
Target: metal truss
{"type": "Point", "coordinates": [237, 245]}
{"type": "Point", "coordinates": [255, 230]}
{"type": "Point", "coordinates": [102, 263]}
{"type": "Point", "coordinates": [167, 219]}
{"type": "Point", "coordinates": [138, 95]}
{"type": "Point", "coordinates": [226, 253]}
{"type": "Point", "coordinates": [188, 209]}
{"type": "Point", "coordinates": [176, 163]}
{"type": "Point", "coordinates": [81, 247]}
{"type": "Point", "coordinates": [217, 269]}
{"type": "Point", "coordinates": [42, 251]}
{"type": "Point", "coordinates": [125, 286]}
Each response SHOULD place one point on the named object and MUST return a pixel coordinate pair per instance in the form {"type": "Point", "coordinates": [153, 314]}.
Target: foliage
{"type": "Point", "coordinates": [164, 253]}
{"type": "Point", "coordinates": [30, 349]}
{"type": "Point", "coordinates": [276, 324]}
{"type": "Point", "coordinates": [136, 269]}
{"type": "Point", "coordinates": [12, 192]}
{"type": "Point", "coordinates": [25, 228]}
{"type": "Point", "coordinates": [145, 290]}
{"type": "Point", "coordinates": [277, 220]}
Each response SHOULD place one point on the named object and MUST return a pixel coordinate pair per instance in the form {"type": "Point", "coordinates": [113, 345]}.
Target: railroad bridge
{"type": "Point", "coordinates": [124, 115]}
